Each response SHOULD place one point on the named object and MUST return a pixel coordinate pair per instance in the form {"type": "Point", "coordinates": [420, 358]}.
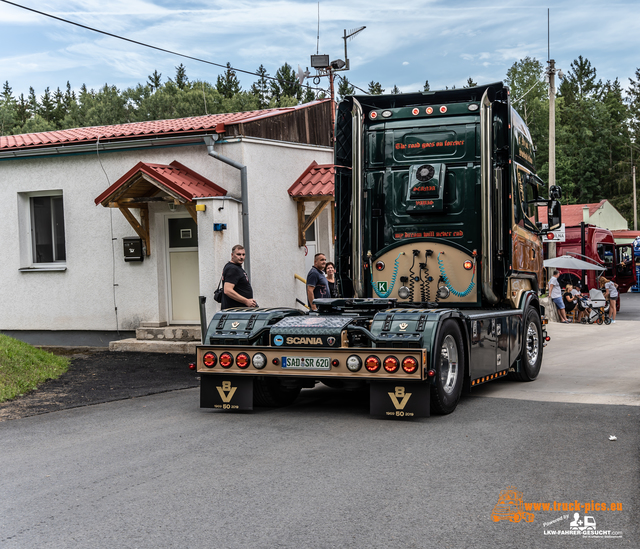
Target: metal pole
{"type": "Point", "coordinates": [635, 204]}
{"type": "Point", "coordinates": [551, 71]}
{"type": "Point", "coordinates": [333, 106]}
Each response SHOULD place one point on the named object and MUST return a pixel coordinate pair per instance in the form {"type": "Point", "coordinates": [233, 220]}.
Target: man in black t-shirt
{"type": "Point", "coordinates": [237, 290]}
{"type": "Point", "coordinates": [317, 285]}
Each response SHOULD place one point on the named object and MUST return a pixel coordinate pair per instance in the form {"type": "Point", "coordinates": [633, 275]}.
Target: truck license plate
{"type": "Point", "coordinates": [305, 363]}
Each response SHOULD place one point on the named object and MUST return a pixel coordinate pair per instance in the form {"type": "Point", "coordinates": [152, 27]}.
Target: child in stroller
{"type": "Point", "coordinates": [596, 308]}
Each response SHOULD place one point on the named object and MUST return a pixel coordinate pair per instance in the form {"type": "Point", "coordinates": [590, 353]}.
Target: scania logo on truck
{"type": "Point", "coordinates": [304, 341]}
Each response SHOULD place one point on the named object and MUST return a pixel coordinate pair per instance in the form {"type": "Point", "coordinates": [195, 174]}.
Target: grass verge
{"type": "Point", "coordinates": [23, 367]}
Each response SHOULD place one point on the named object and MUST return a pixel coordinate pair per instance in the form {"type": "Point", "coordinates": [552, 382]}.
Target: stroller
{"type": "Point", "coordinates": [596, 307]}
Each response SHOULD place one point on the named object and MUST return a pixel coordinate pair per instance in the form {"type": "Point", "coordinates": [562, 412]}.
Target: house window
{"type": "Point", "coordinates": [47, 229]}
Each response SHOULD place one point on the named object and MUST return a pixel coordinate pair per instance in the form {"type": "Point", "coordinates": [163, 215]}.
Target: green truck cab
{"type": "Point", "coordinates": [438, 255]}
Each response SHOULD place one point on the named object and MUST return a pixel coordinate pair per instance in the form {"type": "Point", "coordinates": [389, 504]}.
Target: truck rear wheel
{"type": "Point", "coordinates": [531, 354]}
{"type": "Point", "coordinates": [449, 365]}
{"type": "Point", "coordinates": [269, 392]}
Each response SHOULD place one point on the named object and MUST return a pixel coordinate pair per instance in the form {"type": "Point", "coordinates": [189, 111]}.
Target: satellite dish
{"type": "Point", "coordinates": [302, 74]}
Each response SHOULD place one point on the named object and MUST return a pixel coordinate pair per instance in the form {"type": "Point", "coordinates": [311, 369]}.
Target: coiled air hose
{"type": "Point", "coordinates": [448, 284]}
{"type": "Point", "coordinates": [386, 294]}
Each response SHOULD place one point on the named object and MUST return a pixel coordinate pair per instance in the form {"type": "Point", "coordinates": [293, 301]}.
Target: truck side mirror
{"type": "Point", "coordinates": [554, 215]}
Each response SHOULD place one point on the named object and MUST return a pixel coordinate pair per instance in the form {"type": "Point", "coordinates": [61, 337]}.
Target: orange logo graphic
{"type": "Point", "coordinates": [510, 507]}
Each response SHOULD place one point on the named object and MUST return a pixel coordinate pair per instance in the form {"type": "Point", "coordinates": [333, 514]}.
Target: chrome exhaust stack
{"type": "Point", "coordinates": [487, 197]}
{"type": "Point", "coordinates": [357, 236]}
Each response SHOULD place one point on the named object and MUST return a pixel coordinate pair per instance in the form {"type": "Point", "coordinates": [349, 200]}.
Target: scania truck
{"type": "Point", "coordinates": [439, 262]}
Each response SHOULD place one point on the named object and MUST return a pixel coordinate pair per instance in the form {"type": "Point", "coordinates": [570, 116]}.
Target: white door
{"type": "Point", "coordinates": [310, 237]}
{"type": "Point", "coordinates": [184, 278]}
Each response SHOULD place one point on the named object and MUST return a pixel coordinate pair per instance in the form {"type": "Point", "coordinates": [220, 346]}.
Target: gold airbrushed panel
{"type": "Point", "coordinates": [460, 269]}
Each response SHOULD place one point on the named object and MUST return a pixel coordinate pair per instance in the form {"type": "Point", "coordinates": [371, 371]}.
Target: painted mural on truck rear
{"type": "Point", "coordinates": [426, 179]}
{"type": "Point", "coordinates": [438, 262]}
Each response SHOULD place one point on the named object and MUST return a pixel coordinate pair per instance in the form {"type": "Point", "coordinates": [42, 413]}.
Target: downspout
{"type": "Point", "coordinates": [486, 193]}
{"type": "Point", "coordinates": [356, 201]}
{"type": "Point", "coordinates": [210, 141]}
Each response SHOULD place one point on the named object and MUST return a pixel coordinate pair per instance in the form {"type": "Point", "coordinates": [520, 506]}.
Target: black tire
{"type": "Point", "coordinates": [270, 393]}
{"type": "Point", "coordinates": [532, 345]}
{"type": "Point", "coordinates": [607, 320]}
{"type": "Point", "coordinates": [449, 361]}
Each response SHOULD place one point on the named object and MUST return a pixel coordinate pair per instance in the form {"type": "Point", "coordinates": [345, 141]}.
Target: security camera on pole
{"type": "Point", "coordinates": [324, 67]}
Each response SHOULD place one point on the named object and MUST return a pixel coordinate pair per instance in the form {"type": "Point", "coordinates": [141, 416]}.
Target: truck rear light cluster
{"type": "Point", "coordinates": [210, 360]}
{"type": "Point", "coordinates": [259, 361]}
{"type": "Point", "coordinates": [243, 360]}
{"type": "Point", "coordinates": [372, 363]}
{"type": "Point", "coordinates": [226, 360]}
{"type": "Point", "coordinates": [391, 364]}
{"type": "Point", "coordinates": [354, 363]}
{"type": "Point", "coordinates": [410, 365]}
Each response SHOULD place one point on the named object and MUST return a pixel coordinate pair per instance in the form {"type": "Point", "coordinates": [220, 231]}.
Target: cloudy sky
{"type": "Point", "coordinates": [404, 44]}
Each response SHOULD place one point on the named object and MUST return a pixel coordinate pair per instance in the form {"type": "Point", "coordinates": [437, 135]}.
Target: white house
{"type": "Point", "coordinates": [73, 198]}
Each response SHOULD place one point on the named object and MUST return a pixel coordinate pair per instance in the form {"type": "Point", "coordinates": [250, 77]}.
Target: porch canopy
{"type": "Point", "coordinates": [316, 184]}
{"type": "Point", "coordinates": [146, 183]}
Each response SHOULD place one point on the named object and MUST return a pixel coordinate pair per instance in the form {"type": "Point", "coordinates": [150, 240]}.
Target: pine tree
{"type": "Point", "coordinates": [633, 97]}
{"type": "Point", "coordinates": [59, 108]}
{"type": "Point", "coordinates": [395, 90]}
{"type": "Point", "coordinates": [309, 95]}
{"type": "Point", "coordinates": [426, 86]}
{"type": "Point", "coordinates": [7, 93]}
{"type": "Point", "coordinates": [470, 83]}
{"type": "Point", "coordinates": [285, 85]}
{"type": "Point", "coordinates": [155, 80]}
{"type": "Point", "coordinates": [228, 84]}
{"type": "Point", "coordinates": [345, 88]}
{"type": "Point", "coordinates": [69, 97]}
{"type": "Point", "coordinates": [181, 77]}
{"type": "Point", "coordinates": [47, 105]}
{"type": "Point", "coordinates": [34, 106]}
{"type": "Point", "coordinates": [260, 88]}
{"type": "Point", "coordinates": [22, 110]}
{"type": "Point", "coordinates": [375, 88]}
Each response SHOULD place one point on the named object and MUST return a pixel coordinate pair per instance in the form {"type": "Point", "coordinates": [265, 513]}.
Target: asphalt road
{"type": "Point", "coordinates": [158, 472]}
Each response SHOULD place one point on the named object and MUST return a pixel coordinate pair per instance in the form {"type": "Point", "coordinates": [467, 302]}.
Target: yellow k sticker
{"type": "Point", "coordinates": [399, 393]}
{"type": "Point", "coordinates": [226, 391]}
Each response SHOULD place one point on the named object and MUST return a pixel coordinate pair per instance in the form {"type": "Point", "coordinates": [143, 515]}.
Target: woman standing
{"type": "Point", "coordinates": [611, 294]}
{"type": "Point", "coordinates": [330, 270]}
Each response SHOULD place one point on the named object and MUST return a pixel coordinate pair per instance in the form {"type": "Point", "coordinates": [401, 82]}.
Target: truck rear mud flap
{"type": "Point", "coordinates": [229, 393]}
{"type": "Point", "coordinates": [399, 400]}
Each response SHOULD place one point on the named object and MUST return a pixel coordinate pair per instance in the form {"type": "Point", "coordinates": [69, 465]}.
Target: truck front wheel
{"type": "Point", "coordinates": [449, 365]}
{"type": "Point", "coordinates": [531, 355]}
{"type": "Point", "coordinates": [269, 392]}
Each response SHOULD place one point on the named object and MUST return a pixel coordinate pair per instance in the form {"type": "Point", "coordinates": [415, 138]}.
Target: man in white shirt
{"type": "Point", "coordinates": [555, 293]}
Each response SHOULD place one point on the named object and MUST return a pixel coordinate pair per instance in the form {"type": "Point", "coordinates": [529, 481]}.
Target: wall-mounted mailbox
{"type": "Point", "coordinates": [219, 226]}
{"type": "Point", "coordinates": [133, 248]}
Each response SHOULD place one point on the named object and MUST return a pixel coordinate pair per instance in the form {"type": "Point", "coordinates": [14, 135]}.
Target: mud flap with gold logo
{"type": "Point", "coordinates": [226, 392]}
{"type": "Point", "coordinates": [399, 399]}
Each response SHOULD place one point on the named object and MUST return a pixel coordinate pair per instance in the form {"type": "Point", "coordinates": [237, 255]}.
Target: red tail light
{"type": "Point", "coordinates": [391, 364]}
{"type": "Point", "coordinates": [243, 360]}
{"type": "Point", "coordinates": [410, 365]}
{"type": "Point", "coordinates": [335, 362]}
{"type": "Point", "coordinates": [209, 360]}
{"type": "Point", "coordinates": [372, 363]}
{"type": "Point", "coordinates": [192, 365]}
{"type": "Point", "coordinates": [226, 360]}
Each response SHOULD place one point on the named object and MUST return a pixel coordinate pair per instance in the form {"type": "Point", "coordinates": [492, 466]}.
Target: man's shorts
{"type": "Point", "coordinates": [559, 303]}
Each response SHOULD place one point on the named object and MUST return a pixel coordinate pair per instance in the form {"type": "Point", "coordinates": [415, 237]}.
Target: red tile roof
{"type": "Point", "coordinates": [316, 180]}
{"type": "Point", "coordinates": [620, 235]}
{"type": "Point", "coordinates": [179, 126]}
{"type": "Point", "coordinates": [175, 177]}
{"type": "Point", "coordinates": [572, 213]}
